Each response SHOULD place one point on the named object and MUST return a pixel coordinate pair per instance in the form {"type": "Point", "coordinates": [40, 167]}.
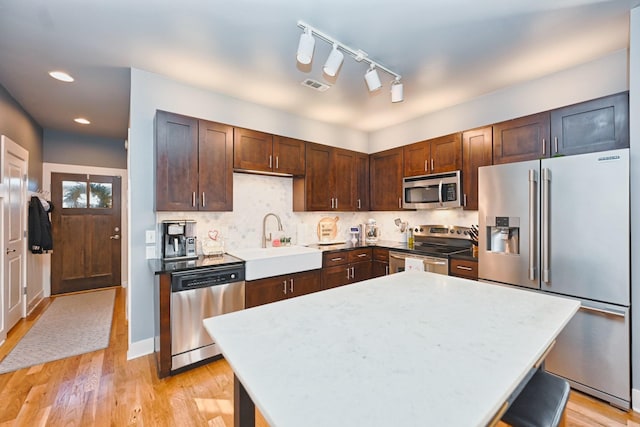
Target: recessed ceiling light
{"type": "Point", "coordinates": [62, 76]}
{"type": "Point", "coordinates": [82, 121]}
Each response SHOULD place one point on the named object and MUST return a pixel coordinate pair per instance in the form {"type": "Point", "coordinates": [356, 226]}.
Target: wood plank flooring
{"type": "Point", "coordinates": [104, 389]}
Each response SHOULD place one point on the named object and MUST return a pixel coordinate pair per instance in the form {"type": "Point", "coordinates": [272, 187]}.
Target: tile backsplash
{"type": "Point", "coordinates": [256, 195]}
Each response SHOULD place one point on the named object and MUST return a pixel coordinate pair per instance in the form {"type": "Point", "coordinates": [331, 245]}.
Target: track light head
{"type": "Point", "coordinates": [372, 79]}
{"type": "Point", "coordinates": [397, 91]}
{"type": "Point", "coordinates": [334, 61]}
{"type": "Point", "coordinates": [305, 47]}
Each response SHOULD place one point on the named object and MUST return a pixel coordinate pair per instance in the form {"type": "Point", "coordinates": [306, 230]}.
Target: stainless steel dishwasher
{"type": "Point", "coordinates": [196, 295]}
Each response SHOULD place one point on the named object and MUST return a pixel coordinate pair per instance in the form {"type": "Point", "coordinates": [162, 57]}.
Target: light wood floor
{"type": "Point", "coordinates": [104, 389]}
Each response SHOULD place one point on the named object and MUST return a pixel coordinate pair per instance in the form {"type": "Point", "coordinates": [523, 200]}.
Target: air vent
{"type": "Point", "coordinates": [314, 84]}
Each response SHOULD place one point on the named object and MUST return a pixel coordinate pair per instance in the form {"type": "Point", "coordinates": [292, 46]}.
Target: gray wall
{"type": "Point", "coordinates": [84, 150]}
{"type": "Point", "coordinates": [24, 131]}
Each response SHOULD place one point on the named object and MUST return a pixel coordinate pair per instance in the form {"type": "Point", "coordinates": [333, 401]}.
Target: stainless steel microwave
{"type": "Point", "coordinates": [435, 191]}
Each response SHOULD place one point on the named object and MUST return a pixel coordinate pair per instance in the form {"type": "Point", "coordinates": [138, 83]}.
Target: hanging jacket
{"type": "Point", "coordinates": [40, 240]}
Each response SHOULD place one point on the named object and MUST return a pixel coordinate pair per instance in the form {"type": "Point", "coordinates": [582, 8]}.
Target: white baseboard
{"type": "Point", "coordinates": [140, 348]}
{"type": "Point", "coordinates": [635, 400]}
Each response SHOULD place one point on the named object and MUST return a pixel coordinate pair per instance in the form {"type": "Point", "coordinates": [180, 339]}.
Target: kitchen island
{"type": "Point", "coordinates": [412, 348]}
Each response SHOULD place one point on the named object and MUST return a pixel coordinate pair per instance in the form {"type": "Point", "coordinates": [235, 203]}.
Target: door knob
{"type": "Point", "coordinates": [115, 237]}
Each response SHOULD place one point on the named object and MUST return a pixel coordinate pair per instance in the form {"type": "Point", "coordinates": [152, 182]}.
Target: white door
{"type": "Point", "coordinates": [15, 160]}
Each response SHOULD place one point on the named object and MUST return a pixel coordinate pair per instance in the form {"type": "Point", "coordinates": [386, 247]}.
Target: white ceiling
{"type": "Point", "coordinates": [448, 51]}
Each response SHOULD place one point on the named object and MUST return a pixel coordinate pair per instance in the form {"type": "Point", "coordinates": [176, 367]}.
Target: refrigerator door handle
{"type": "Point", "coordinates": [533, 181]}
{"type": "Point", "coordinates": [603, 311]}
{"type": "Point", "coordinates": [544, 237]}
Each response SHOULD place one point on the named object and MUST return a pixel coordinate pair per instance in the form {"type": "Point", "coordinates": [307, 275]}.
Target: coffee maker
{"type": "Point", "coordinates": [178, 240]}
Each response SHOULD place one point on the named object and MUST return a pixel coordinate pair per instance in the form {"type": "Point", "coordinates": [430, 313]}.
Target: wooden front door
{"type": "Point", "coordinates": [86, 231]}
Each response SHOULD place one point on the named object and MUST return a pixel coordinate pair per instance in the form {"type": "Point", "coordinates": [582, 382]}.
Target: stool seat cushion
{"type": "Point", "coordinates": [541, 402]}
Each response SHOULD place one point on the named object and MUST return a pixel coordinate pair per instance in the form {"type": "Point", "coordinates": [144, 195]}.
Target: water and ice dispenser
{"type": "Point", "coordinates": [503, 234]}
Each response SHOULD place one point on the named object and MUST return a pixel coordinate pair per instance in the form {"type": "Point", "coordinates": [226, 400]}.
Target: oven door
{"type": "Point", "coordinates": [431, 264]}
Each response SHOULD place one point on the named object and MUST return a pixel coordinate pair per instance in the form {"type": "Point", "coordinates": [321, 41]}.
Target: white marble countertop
{"type": "Point", "coordinates": [408, 349]}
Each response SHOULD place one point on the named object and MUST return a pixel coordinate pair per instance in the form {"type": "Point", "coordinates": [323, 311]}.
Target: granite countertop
{"type": "Point", "coordinates": [159, 266]}
{"type": "Point", "coordinates": [443, 343]}
{"type": "Point", "coordinates": [386, 244]}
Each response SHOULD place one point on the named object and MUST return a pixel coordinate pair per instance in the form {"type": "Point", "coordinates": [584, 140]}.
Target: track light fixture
{"type": "Point", "coordinates": [336, 57]}
{"type": "Point", "coordinates": [334, 61]}
{"type": "Point", "coordinates": [373, 79]}
{"type": "Point", "coordinates": [305, 47]}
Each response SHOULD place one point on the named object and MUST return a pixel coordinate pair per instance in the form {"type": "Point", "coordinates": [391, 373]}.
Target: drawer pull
{"type": "Point", "coordinates": [462, 267]}
{"type": "Point", "coordinates": [362, 255]}
{"type": "Point", "coordinates": [337, 259]}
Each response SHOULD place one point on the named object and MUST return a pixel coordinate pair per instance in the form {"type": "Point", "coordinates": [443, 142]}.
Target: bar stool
{"type": "Point", "coordinates": [540, 404]}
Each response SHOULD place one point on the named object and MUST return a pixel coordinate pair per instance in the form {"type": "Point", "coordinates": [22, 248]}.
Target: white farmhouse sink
{"type": "Point", "coordinates": [269, 262]}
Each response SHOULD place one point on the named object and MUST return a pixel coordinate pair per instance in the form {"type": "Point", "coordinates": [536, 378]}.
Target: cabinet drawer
{"type": "Point", "coordinates": [335, 258]}
{"type": "Point", "coordinates": [359, 255]}
{"type": "Point", "coordinates": [381, 254]}
{"type": "Point", "coordinates": [463, 268]}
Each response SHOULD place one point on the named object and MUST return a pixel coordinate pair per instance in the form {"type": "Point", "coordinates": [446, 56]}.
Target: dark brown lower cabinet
{"type": "Point", "coordinates": [463, 268]}
{"type": "Point", "coordinates": [277, 288]}
{"type": "Point", "coordinates": [380, 262]}
{"type": "Point", "coordinates": [339, 275]}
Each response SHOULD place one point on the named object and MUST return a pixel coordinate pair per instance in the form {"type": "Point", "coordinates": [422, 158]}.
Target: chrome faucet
{"type": "Point", "coordinates": [264, 231]}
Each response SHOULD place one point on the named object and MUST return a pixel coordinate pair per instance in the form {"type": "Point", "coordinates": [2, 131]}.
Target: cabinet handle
{"type": "Point", "coordinates": [359, 204]}
{"type": "Point", "coordinates": [386, 270]}
{"type": "Point", "coordinates": [337, 259]}
{"type": "Point", "coordinates": [332, 203]}
{"type": "Point", "coordinates": [270, 161]}
{"type": "Point", "coordinates": [291, 285]}
{"type": "Point", "coordinates": [348, 273]}
{"type": "Point", "coordinates": [362, 255]}
{"type": "Point", "coordinates": [193, 199]}
{"type": "Point", "coordinates": [400, 202]}
{"type": "Point", "coordinates": [544, 148]}
{"type": "Point", "coordinates": [465, 200]}
{"type": "Point", "coordinates": [426, 165]}
{"type": "Point", "coordinates": [204, 201]}
{"type": "Point", "coordinates": [353, 272]}
{"type": "Point", "coordinates": [277, 163]}
{"type": "Point", "coordinates": [432, 165]}
{"type": "Point", "coordinates": [462, 267]}
{"type": "Point", "coordinates": [336, 203]}
{"type": "Point", "coordinates": [555, 143]}
{"type": "Point", "coordinates": [284, 287]}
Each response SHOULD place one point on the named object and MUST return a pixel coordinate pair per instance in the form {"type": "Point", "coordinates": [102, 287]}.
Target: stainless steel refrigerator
{"type": "Point", "coordinates": [562, 225]}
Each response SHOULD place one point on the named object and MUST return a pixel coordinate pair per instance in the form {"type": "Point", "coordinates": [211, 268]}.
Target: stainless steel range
{"type": "Point", "coordinates": [433, 245]}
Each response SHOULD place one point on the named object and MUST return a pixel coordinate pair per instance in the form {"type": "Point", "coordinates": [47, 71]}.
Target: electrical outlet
{"type": "Point", "coordinates": [150, 237]}
{"type": "Point", "coordinates": [151, 252]}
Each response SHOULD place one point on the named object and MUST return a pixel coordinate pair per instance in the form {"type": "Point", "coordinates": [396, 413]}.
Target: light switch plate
{"type": "Point", "coordinates": [150, 237]}
{"type": "Point", "coordinates": [151, 252]}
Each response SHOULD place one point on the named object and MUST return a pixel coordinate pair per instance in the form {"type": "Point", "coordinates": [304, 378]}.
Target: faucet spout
{"type": "Point", "coordinates": [264, 230]}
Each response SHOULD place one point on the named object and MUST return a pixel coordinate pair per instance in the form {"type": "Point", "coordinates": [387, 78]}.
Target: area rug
{"type": "Point", "coordinates": [71, 325]}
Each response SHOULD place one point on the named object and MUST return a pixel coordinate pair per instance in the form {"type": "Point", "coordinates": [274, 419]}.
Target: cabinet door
{"type": "Point", "coordinates": [252, 150]}
{"type": "Point", "coordinates": [446, 153]}
{"type": "Point", "coordinates": [264, 291]}
{"type": "Point", "coordinates": [215, 165]}
{"type": "Point", "coordinates": [318, 193]}
{"type": "Point", "coordinates": [176, 142]}
{"type": "Point", "coordinates": [476, 151]}
{"type": "Point", "coordinates": [360, 271]}
{"type": "Point", "coordinates": [597, 125]}
{"type": "Point", "coordinates": [288, 155]}
{"type": "Point", "coordinates": [417, 159]}
{"type": "Point", "coordinates": [379, 268]}
{"type": "Point", "coordinates": [333, 277]}
{"type": "Point", "coordinates": [525, 138]}
{"type": "Point", "coordinates": [343, 179]}
{"type": "Point", "coordinates": [362, 182]}
{"type": "Point", "coordinates": [386, 180]}
{"type": "Point", "coordinates": [304, 283]}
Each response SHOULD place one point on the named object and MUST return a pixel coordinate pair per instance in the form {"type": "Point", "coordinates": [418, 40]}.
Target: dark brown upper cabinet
{"type": "Point", "coordinates": [477, 151]}
{"type": "Point", "coordinates": [194, 160]}
{"type": "Point", "coordinates": [255, 151]}
{"type": "Point", "coordinates": [442, 154]}
{"type": "Point", "coordinates": [385, 177]}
